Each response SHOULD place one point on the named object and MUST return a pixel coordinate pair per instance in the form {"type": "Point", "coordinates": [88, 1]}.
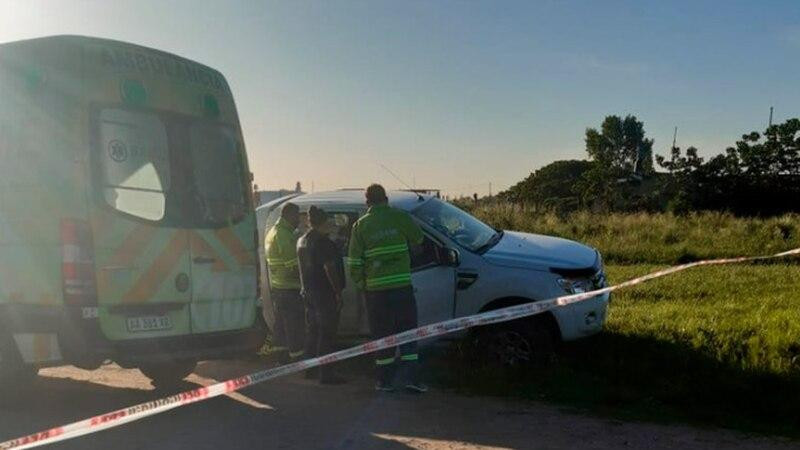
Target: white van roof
{"type": "Point", "coordinates": [355, 197]}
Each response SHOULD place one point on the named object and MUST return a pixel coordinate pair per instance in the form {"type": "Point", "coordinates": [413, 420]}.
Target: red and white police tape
{"type": "Point", "coordinates": [140, 411]}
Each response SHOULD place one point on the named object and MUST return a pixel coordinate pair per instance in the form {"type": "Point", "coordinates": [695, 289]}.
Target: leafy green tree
{"type": "Point", "coordinates": [619, 150]}
{"type": "Point", "coordinates": [550, 186]}
{"type": "Point", "coordinates": [776, 152]}
{"type": "Point", "coordinates": [760, 174]}
{"type": "Point", "coordinates": [621, 145]}
{"type": "Point", "coordinates": [683, 183]}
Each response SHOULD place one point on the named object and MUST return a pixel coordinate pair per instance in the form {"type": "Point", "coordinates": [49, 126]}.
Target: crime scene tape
{"type": "Point", "coordinates": [153, 407]}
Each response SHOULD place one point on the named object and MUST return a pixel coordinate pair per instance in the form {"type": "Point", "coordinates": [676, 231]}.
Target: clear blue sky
{"type": "Point", "coordinates": [457, 94]}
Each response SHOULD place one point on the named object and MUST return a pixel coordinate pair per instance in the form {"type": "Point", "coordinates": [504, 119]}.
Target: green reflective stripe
{"type": "Point", "coordinates": [284, 284]}
{"type": "Point", "coordinates": [296, 354]}
{"type": "Point", "coordinates": [384, 362]}
{"type": "Point", "coordinates": [411, 357]}
{"type": "Point", "coordinates": [389, 279]}
{"type": "Point", "coordinates": [354, 261]}
{"type": "Point", "coordinates": [275, 262]}
{"type": "Point", "coordinates": [386, 249]}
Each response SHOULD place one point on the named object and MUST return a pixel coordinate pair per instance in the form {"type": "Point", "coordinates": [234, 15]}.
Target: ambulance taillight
{"type": "Point", "coordinates": [258, 264]}
{"type": "Point", "coordinates": [77, 263]}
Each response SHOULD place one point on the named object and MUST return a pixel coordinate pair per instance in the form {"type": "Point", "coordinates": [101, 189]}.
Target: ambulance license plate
{"type": "Point", "coordinates": [149, 323]}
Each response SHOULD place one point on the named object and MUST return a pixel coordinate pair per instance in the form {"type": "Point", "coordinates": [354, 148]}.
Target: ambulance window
{"type": "Point", "coordinates": [218, 173]}
{"type": "Point", "coordinates": [134, 162]}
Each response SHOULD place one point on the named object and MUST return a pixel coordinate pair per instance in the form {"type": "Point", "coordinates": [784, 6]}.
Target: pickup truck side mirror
{"type": "Point", "coordinates": [452, 257]}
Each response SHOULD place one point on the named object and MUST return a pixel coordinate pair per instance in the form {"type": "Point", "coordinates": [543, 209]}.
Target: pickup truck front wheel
{"type": "Point", "coordinates": [523, 342]}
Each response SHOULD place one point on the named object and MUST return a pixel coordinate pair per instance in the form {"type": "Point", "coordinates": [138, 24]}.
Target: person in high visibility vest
{"type": "Point", "coordinates": [379, 261]}
{"type": "Point", "coordinates": [284, 278]}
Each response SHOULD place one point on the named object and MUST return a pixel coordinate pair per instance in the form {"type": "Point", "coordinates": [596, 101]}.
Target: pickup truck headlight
{"type": "Point", "coordinates": [574, 286]}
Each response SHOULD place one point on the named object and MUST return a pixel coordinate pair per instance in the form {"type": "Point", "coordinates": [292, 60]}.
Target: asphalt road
{"type": "Point", "coordinates": [296, 413]}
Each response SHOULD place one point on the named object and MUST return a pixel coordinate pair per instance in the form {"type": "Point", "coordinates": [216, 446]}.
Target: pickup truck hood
{"type": "Point", "coordinates": [539, 252]}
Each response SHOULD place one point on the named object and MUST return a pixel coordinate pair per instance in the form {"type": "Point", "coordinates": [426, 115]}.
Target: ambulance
{"type": "Point", "coordinates": [127, 228]}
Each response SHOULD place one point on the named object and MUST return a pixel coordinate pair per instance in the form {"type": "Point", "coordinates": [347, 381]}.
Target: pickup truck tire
{"type": "Point", "coordinates": [166, 375]}
{"type": "Point", "coordinates": [522, 342]}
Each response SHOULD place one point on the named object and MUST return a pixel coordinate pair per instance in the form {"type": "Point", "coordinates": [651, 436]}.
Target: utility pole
{"type": "Point", "coordinates": [675, 137]}
{"type": "Point", "coordinates": [770, 117]}
{"type": "Point", "coordinates": [490, 189]}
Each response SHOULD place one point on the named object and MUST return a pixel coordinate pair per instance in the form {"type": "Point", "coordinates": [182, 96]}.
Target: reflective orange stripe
{"type": "Point", "coordinates": [132, 247]}
{"type": "Point", "coordinates": [201, 247]}
{"type": "Point", "coordinates": [149, 283]}
{"type": "Point", "coordinates": [127, 253]}
{"type": "Point", "coordinates": [232, 243]}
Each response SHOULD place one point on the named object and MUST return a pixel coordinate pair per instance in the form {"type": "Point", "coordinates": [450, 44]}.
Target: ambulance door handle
{"type": "Point", "coordinates": [204, 260]}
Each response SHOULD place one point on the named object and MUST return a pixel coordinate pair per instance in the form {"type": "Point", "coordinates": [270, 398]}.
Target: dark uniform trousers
{"type": "Point", "coordinates": [393, 311]}
{"type": "Point", "coordinates": [322, 321]}
{"type": "Point", "coordinates": [289, 306]}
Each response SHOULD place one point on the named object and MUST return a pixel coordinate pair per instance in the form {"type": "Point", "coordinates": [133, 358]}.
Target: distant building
{"type": "Point", "coordinates": [263, 197]}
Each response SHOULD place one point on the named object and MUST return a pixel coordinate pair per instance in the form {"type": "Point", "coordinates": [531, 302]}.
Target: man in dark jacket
{"type": "Point", "coordinates": [322, 280]}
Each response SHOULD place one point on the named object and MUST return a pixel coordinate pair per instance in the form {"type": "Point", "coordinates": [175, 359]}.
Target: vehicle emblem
{"type": "Point", "coordinates": [182, 282]}
{"type": "Point", "coordinates": [118, 151]}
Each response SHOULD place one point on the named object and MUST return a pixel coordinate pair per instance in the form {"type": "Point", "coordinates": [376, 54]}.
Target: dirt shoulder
{"type": "Point", "coordinates": [296, 413]}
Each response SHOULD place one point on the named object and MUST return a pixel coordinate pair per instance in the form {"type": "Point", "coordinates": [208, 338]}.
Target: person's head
{"type": "Point", "coordinates": [376, 195]}
{"type": "Point", "coordinates": [318, 220]}
{"type": "Point", "coordinates": [291, 213]}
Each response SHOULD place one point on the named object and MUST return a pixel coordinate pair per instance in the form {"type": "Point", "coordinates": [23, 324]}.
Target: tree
{"type": "Point", "coordinates": [621, 145]}
{"type": "Point", "coordinates": [550, 186]}
{"type": "Point", "coordinates": [620, 153]}
{"type": "Point", "coordinates": [778, 153]}
{"type": "Point", "coordinates": [683, 184]}
{"type": "Point", "coordinates": [760, 174]}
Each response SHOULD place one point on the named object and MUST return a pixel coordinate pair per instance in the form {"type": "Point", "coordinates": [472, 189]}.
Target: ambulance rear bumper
{"type": "Point", "coordinates": [79, 340]}
{"type": "Point", "coordinates": [222, 345]}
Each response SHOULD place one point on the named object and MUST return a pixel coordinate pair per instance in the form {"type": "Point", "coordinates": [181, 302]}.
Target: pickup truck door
{"type": "Point", "coordinates": [434, 283]}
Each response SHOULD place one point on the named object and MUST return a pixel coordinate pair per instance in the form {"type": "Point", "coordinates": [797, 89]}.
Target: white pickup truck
{"type": "Point", "coordinates": [465, 267]}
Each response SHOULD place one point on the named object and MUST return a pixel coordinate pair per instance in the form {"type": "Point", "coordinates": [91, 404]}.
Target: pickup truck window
{"type": "Point", "coordinates": [425, 255]}
{"type": "Point", "coordinates": [464, 229]}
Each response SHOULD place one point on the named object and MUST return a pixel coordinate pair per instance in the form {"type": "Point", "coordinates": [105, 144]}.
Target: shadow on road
{"type": "Point", "coordinates": [293, 412]}
{"type": "Point", "coordinates": [286, 413]}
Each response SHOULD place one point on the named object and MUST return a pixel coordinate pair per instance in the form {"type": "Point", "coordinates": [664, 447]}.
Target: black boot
{"type": "Point", "coordinates": [410, 377]}
{"type": "Point", "coordinates": [385, 378]}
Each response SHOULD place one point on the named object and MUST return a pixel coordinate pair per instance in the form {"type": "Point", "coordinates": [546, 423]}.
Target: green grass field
{"type": "Point", "coordinates": [712, 345]}
{"type": "Point", "coordinates": [654, 238]}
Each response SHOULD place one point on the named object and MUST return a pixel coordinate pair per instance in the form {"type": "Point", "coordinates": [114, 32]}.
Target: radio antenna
{"type": "Point", "coordinates": [420, 197]}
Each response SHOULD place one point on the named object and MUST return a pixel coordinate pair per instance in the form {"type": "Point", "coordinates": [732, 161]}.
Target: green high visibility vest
{"type": "Point", "coordinates": [281, 251]}
{"type": "Point", "coordinates": [378, 257]}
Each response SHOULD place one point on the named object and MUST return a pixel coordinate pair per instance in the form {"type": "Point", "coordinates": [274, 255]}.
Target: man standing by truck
{"type": "Point", "coordinates": [322, 281]}
{"type": "Point", "coordinates": [284, 278]}
{"type": "Point", "coordinates": [380, 265]}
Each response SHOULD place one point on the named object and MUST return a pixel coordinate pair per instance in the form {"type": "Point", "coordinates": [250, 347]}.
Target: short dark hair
{"type": "Point", "coordinates": [317, 216]}
{"type": "Point", "coordinates": [288, 209]}
{"type": "Point", "coordinates": [376, 194]}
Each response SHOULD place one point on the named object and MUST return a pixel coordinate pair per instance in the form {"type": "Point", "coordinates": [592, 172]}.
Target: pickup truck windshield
{"type": "Point", "coordinates": [464, 229]}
